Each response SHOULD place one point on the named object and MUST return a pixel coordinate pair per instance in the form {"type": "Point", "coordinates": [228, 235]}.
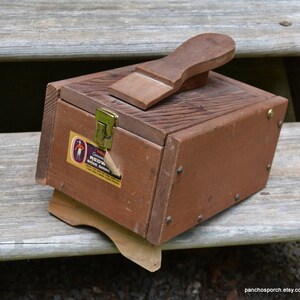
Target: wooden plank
{"type": "Point", "coordinates": [40, 29]}
{"type": "Point", "coordinates": [28, 231]}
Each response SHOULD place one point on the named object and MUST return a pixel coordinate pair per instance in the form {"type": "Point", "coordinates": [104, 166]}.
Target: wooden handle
{"type": "Point", "coordinates": [197, 55]}
{"type": "Point", "coordinates": [155, 80]}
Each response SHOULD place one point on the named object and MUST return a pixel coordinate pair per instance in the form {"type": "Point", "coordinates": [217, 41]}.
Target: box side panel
{"type": "Point", "coordinates": [137, 159]}
{"type": "Point", "coordinates": [52, 95]}
{"type": "Point", "coordinates": [223, 161]}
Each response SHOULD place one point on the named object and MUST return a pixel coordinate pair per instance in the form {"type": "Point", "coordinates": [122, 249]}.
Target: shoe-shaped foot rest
{"type": "Point", "coordinates": [185, 68]}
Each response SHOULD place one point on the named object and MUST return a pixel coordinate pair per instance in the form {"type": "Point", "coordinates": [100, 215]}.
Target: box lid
{"type": "Point", "coordinates": [221, 95]}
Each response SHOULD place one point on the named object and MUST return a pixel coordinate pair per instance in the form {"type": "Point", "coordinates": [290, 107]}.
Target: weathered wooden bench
{"type": "Point", "coordinates": [99, 29]}
{"type": "Point", "coordinates": [27, 230]}
{"type": "Point", "coordinates": [55, 31]}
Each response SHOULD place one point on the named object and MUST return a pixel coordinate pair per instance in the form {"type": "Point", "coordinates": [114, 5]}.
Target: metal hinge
{"type": "Point", "coordinates": [106, 121]}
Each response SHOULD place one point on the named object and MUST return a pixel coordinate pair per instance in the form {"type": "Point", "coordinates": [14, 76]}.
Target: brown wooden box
{"type": "Point", "coordinates": [182, 161]}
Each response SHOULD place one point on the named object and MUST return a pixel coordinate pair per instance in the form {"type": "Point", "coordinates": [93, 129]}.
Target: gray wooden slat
{"type": "Point", "coordinates": [28, 231]}
{"type": "Point", "coordinates": [40, 29]}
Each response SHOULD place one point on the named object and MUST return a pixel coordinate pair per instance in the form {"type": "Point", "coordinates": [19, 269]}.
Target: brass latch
{"type": "Point", "coordinates": [105, 123]}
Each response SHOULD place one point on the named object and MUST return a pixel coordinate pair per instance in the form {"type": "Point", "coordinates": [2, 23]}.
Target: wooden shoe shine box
{"type": "Point", "coordinates": [175, 165]}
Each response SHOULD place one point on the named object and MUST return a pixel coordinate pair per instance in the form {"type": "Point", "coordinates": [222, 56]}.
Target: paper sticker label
{"type": "Point", "coordinates": [85, 155]}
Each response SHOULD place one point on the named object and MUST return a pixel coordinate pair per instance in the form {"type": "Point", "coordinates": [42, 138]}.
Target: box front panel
{"type": "Point", "coordinates": [213, 166]}
{"type": "Point", "coordinates": [77, 169]}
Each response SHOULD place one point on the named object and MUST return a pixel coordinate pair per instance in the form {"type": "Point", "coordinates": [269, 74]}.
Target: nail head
{"type": "Point", "coordinates": [270, 113]}
{"type": "Point", "coordinates": [237, 197]}
{"type": "Point", "coordinates": [179, 169]}
{"type": "Point", "coordinates": [285, 23]}
{"type": "Point", "coordinates": [168, 220]}
{"type": "Point", "coordinates": [200, 218]}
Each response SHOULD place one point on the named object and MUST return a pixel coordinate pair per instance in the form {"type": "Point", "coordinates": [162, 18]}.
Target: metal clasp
{"type": "Point", "coordinates": [106, 121]}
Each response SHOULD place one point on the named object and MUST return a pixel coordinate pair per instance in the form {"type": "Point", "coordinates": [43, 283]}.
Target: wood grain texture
{"type": "Point", "coordinates": [52, 94]}
{"type": "Point", "coordinates": [219, 96]}
{"type": "Point", "coordinates": [28, 231]}
{"type": "Point", "coordinates": [40, 29]}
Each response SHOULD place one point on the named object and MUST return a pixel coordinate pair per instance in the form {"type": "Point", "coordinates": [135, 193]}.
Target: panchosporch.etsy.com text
{"type": "Point", "coordinates": [271, 290]}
